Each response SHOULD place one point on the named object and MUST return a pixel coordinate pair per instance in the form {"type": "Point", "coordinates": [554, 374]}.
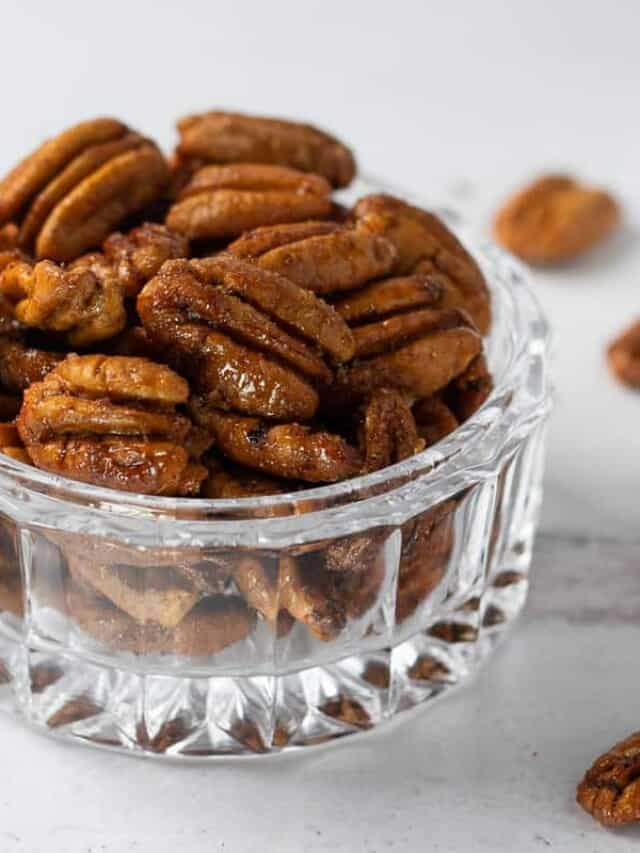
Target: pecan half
{"type": "Point", "coordinates": [111, 421]}
{"type": "Point", "coordinates": [388, 297]}
{"type": "Point", "coordinates": [623, 356]}
{"type": "Point", "coordinates": [231, 481]}
{"type": "Point", "coordinates": [76, 188]}
{"type": "Point", "coordinates": [245, 337]}
{"type": "Point", "coordinates": [555, 219]}
{"type": "Point", "coordinates": [223, 201]}
{"type": "Point", "coordinates": [425, 245]}
{"type": "Point", "coordinates": [220, 137]}
{"type": "Point", "coordinates": [137, 256]}
{"type": "Point", "coordinates": [388, 433]}
{"type": "Point", "coordinates": [8, 237]}
{"type": "Point", "coordinates": [22, 365]}
{"type": "Point", "coordinates": [610, 790]}
{"type": "Point", "coordinates": [319, 256]}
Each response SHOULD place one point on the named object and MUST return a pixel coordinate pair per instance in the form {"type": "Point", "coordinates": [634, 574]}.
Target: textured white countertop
{"type": "Point", "coordinates": [461, 101]}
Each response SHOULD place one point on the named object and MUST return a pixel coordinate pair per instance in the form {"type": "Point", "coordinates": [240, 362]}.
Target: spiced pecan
{"type": "Point", "coordinates": [22, 365]}
{"type": "Point", "coordinates": [434, 419]}
{"type": "Point", "coordinates": [221, 137]}
{"type": "Point", "coordinates": [232, 481]}
{"type": "Point", "coordinates": [246, 338]}
{"type": "Point", "coordinates": [468, 391]}
{"type": "Point", "coordinates": [135, 257]}
{"type": "Point", "coordinates": [76, 188]}
{"type": "Point", "coordinates": [319, 256]}
{"type": "Point", "coordinates": [214, 623]}
{"type": "Point", "coordinates": [555, 219]}
{"type": "Point", "coordinates": [111, 421]}
{"type": "Point", "coordinates": [389, 296]}
{"type": "Point", "coordinates": [610, 790]}
{"type": "Point", "coordinates": [223, 201]}
{"type": "Point", "coordinates": [623, 355]}
{"type": "Point", "coordinates": [388, 433]}
{"type": "Point", "coordinates": [425, 245]}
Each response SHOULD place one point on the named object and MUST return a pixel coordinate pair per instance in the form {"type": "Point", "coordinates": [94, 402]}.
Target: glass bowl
{"type": "Point", "coordinates": [159, 626]}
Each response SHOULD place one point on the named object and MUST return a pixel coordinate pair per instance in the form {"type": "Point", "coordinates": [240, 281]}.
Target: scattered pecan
{"type": "Point", "coordinates": [76, 188]}
{"type": "Point", "coordinates": [610, 790]}
{"type": "Point", "coordinates": [219, 137]}
{"type": "Point", "coordinates": [388, 432]}
{"type": "Point", "coordinates": [137, 256]}
{"type": "Point", "coordinates": [623, 356]}
{"type": "Point", "coordinates": [231, 327]}
{"type": "Point", "coordinates": [434, 419]}
{"type": "Point", "coordinates": [319, 256]}
{"type": "Point", "coordinates": [111, 421]}
{"type": "Point", "coordinates": [214, 623]}
{"type": "Point", "coordinates": [425, 245]}
{"type": "Point", "coordinates": [555, 219]}
{"type": "Point", "coordinates": [468, 391]}
{"type": "Point", "coordinates": [223, 201]}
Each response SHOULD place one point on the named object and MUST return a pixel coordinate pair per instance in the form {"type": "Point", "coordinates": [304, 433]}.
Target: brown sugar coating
{"type": "Point", "coordinates": [389, 297]}
{"type": "Point", "coordinates": [555, 219]}
{"type": "Point", "coordinates": [221, 137]}
{"type": "Point", "coordinates": [223, 201]}
{"type": "Point", "coordinates": [425, 245]}
{"type": "Point", "coordinates": [76, 188]}
{"type": "Point", "coordinates": [321, 258]}
{"type": "Point", "coordinates": [610, 790]}
{"type": "Point", "coordinates": [623, 356]}
{"type": "Point", "coordinates": [111, 421]}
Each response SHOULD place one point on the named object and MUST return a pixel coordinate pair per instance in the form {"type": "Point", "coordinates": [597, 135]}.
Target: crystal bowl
{"type": "Point", "coordinates": [157, 626]}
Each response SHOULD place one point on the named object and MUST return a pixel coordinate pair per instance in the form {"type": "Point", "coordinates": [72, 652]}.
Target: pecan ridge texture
{"type": "Point", "coordinates": [610, 790]}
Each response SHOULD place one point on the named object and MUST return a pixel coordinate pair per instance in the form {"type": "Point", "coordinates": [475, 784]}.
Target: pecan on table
{"type": "Point", "coordinates": [111, 421]}
{"type": "Point", "coordinates": [610, 790]}
{"type": "Point", "coordinates": [75, 189]}
{"type": "Point", "coordinates": [220, 137]}
{"type": "Point", "coordinates": [425, 245]}
{"type": "Point", "coordinates": [623, 356]}
{"type": "Point", "coordinates": [223, 201]}
{"type": "Point", "coordinates": [249, 340]}
{"type": "Point", "coordinates": [325, 257]}
{"type": "Point", "coordinates": [555, 219]}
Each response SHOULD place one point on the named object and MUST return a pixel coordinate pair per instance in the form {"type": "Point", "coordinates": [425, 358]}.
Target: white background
{"type": "Point", "coordinates": [461, 101]}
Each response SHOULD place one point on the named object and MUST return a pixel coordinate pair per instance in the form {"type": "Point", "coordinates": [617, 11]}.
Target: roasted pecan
{"type": "Point", "coordinates": [610, 790]}
{"type": "Point", "coordinates": [425, 245]}
{"type": "Point", "coordinates": [76, 188]}
{"type": "Point", "coordinates": [111, 421]}
{"type": "Point", "coordinates": [219, 137]}
{"type": "Point", "coordinates": [319, 256]}
{"type": "Point", "coordinates": [232, 481]}
{"type": "Point", "coordinates": [434, 419]}
{"type": "Point", "coordinates": [388, 432]}
{"type": "Point", "coordinates": [470, 389]}
{"type": "Point", "coordinates": [223, 201]}
{"type": "Point", "coordinates": [417, 353]}
{"type": "Point", "coordinates": [389, 296]}
{"type": "Point", "coordinates": [623, 356]}
{"type": "Point", "coordinates": [291, 451]}
{"type": "Point", "coordinates": [137, 256]}
{"type": "Point", "coordinates": [231, 327]}
{"type": "Point", "coordinates": [214, 623]}
{"type": "Point", "coordinates": [22, 365]}
{"type": "Point", "coordinates": [555, 219]}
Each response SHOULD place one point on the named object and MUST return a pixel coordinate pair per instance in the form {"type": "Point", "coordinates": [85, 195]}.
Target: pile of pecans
{"type": "Point", "coordinates": [215, 324]}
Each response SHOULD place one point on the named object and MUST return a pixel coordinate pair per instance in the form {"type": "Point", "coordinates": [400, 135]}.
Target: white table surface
{"type": "Point", "coordinates": [462, 101]}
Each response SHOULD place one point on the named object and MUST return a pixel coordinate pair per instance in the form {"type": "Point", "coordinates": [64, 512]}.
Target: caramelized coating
{"type": "Point", "coordinates": [434, 420]}
{"type": "Point", "coordinates": [230, 327]}
{"type": "Point", "coordinates": [445, 346]}
{"type": "Point", "coordinates": [223, 201]}
{"type": "Point", "coordinates": [220, 137]}
{"type": "Point", "coordinates": [76, 188]}
{"type": "Point", "coordinates": [470, 389]}
{"type": "Point", "coordinates": [22, 365]}
{"type": "Point", "coordinates": [137, 256]}
{"type": "Point", "coordinates": [610, 790]}
{"type": "Point", "coordinates": [425, 245]}
{"type": "Point", "coordinates": [623, 356]}
{"type": "Point", "coordinates": [111, 421]}
{"type": "Point", "coordinates": [388, 433]}
{"type": "Point", "coordinates": [319, 258]}
{"type": "Point", "coordinates": [213, 624]}
{"type": "Point", "coordinates": [291, 451]}
{"type": "Point", "coordinates": [555, 219]}
{"type": "Point", "coordinates": [388, 297]}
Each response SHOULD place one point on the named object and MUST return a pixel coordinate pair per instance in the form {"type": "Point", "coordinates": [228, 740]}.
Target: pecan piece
{"type": "Point", "coordinates": [434, 420]}
{"type": "Point", "coordinates": [73, 190]}
{"type": "Point", "coordinates": [291, 451]}
{"type": "Point", "coordinates": [137, 256]}
{"type": "Point", "coordinates": [388, 297]}
{"type": "Point", "coordinates": [243, 335]}
{"type": "Point", "coordinates": [220, 137]}
{"type": "Point", "coordinates": [223, 201]}
{"type": "Point", "coordinates": [322, 257]}
{"type": "Point", "coordinates": [8, 237]}
{"type": "Point", "coordinates": [111, 421]}
{"type": "Point", "coordinates": [232, 481]}
{"type": "Point", "coordinates": [470, 389]}
{"type": "Point", "coordinates": [388, 433]}
{"type": "Point", "coordinates": [22, 365]}
{"type": "Point", "coordinates": [555, 219]}
{"type": "Point", "coordinates": [610, 790]}
{"type": "Point", "coordinates": [623, 356]}
{"type": "Point", "coordinates": [425, 245]}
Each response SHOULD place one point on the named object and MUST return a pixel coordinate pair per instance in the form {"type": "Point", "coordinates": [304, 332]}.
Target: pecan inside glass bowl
{"type": "Point", "coordinates": [250, 620]}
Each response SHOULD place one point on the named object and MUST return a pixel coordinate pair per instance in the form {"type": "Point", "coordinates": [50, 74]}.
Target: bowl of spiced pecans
{"type": "Point", "coordinates": [271, 441]}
